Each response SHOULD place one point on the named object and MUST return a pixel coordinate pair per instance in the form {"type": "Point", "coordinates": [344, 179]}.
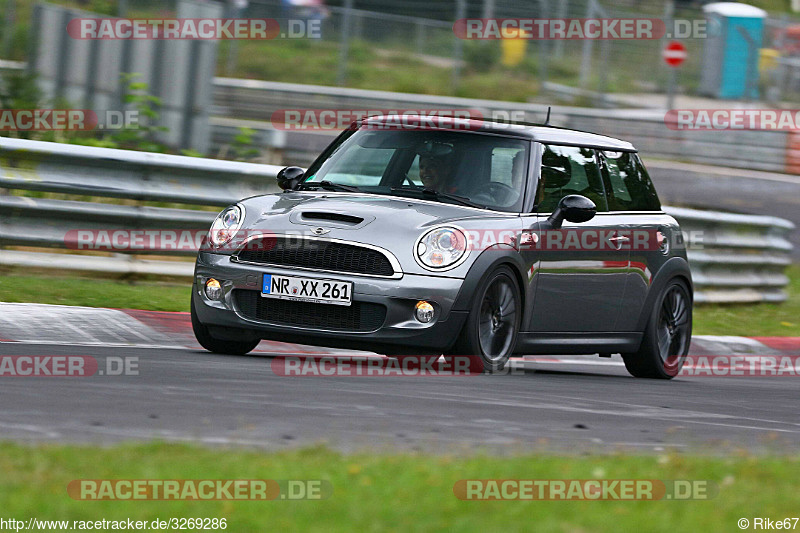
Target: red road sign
{"type": "Point", "coordinates": [674, 53]}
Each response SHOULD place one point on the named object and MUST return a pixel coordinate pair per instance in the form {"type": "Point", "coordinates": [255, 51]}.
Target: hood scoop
{"type": "Point", "coordinates": [330, 219]}
{"type": "Point", "coordinates": [323, 216]}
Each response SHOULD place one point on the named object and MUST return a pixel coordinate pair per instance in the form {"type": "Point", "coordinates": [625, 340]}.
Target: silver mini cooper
{"type": "Point", "coordinates": [411, 238]}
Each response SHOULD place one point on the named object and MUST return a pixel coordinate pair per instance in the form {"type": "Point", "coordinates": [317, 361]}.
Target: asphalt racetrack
{"type": "Point", "coordinates": [574, 405]}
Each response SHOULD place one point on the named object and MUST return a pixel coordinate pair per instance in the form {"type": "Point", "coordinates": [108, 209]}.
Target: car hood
{"type": "Point", "coordinates": [390, 222]}
{"type": "Point", "coordinates": [371, 206]}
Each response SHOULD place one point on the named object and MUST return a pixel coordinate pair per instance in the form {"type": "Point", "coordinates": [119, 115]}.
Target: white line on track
{"type": "Point", "coordinates": [738, 173]}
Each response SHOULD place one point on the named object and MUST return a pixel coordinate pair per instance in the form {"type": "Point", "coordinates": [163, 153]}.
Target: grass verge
{"type": "Point", "coordinates": [373, 492]}
{"type": "Point", "coordinates": [732, 319]}
{"type": "Point", "coordinates": [90, 292]}
{"type": "Point", "coordinates": [753, 320]}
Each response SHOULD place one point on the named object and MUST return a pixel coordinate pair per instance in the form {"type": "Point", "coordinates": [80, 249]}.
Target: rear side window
{"type": "Point", "coordinates": [569, 170]}
{"type": "Point", "coordinates": [628, 185]}
{"type": "Point", "coordinates": [508, 166]}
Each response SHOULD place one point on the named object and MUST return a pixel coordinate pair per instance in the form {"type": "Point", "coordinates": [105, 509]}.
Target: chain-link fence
{"type": "Point", "coordinates": [406, 35]}
{"type": "Point", "coordinates": [780, 60]}
{"type": "Point", "coordinates": [577, 69]}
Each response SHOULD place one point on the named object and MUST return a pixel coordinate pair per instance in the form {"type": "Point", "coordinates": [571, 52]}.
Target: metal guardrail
{"type": "Point", "coordinates": [11, 66]}
{"type": "Point", "coordinates": [53, 223]}
{"type": "Point", "coordinates": [759, 150]}
{"type": "Point", "coordinates": [257, 100]}
{"type": "Point", "coordinates": [86, 170]}
{"type": "Point", "coordinates": [734, 258]}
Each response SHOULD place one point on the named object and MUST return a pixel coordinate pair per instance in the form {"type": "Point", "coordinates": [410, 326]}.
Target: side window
{"type": "Point", "coordinates": [569, 170]}
{"type": "Point", "coordinates": [630, 188]}
{"type": "Point", "coordinates": [508, 166]}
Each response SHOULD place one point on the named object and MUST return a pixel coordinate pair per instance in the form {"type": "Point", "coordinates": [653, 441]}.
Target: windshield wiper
{"type": "Point", "coordinates": [432, 193]}
{"type": "Point", "coordinates": [330, 186]}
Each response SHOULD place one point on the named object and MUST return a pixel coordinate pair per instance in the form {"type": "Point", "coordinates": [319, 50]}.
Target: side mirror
{"type": "Point", "coordinates": [572, 208]}
{"type": "Point", "coordinates": [290, 177]}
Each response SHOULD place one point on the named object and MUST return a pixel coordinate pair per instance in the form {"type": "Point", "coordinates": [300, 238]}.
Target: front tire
{"type": "Point", "coordinates": [493, 322]}
{"type": "Point", "coordinates": [666, 337]}
{"type": "Point", "coordinates": [212, 344]}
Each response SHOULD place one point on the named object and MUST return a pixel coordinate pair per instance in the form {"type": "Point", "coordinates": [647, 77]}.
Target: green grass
{"type": "Point", "coordinates": [316, 62]}
{"type": "Point", "coordinates": [755, 319]}
{"type": "Point", "coordinates": [731, 319]}
{"type": "Point", "coordinates": [404, 492]}
{"type": "Point", "coordinates": [85, 291]}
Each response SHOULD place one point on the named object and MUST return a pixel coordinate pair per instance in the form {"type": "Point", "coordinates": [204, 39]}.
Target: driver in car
{"type": "Point", "coordinates": [434, 172]}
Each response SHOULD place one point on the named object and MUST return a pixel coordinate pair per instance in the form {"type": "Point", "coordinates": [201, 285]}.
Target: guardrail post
{"type": "Point", "coordinates": [8, 26]}
{"type": "Point", "coordinates": [458, 54]}
{"type": "Point", "coordinates": [586, 52]}
{"type": "Point", "coordinates": [344, 43]}
{"type": "Point", "coordinates": [63, 54]}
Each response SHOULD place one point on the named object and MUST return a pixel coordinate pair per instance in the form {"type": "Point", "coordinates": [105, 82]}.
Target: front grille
{"type": "Point", "coordinates": [316, 254]}
{"type": "Point", "coordinates": [358, 316]}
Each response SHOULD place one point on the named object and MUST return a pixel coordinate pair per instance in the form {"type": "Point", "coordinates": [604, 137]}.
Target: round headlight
{"type": "Point", "coordinates": [225, 226]}
{"type": "Point", "coordinates": [442, 248]}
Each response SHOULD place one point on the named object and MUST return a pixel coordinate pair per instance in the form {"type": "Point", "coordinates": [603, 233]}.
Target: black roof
{"type": "Point", "coordinates": [535, 132]}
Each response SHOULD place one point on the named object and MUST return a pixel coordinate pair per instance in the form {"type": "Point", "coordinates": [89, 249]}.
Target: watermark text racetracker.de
{"type": "Point", "coordinates": [565, 239]}
{"type": "Point", "coordinates": [72, 366]}
{"type": "Point", "coordinates": [341, 119]}
{"type": "Point", "coordinates": [199, 489]}
{"type": "Point", "coordinates": [741, 366]}
{"type": "Point", "coordinates": [66, 120]}
{"type": "Point", "coordinates": [585, 489]}
{"type": "Point", "coordinates": [193, 29]}
{"type": "Point", "coordinates": [733, 119]}
{"type": "Point", "coordinates": [384, 367]}
{"type": "Point", "coordinates": [580, 28]}
{"type": "Point", "coordinates": [330, 119]}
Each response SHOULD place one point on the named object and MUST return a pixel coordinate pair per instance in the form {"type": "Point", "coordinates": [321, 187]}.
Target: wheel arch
{"type": "Point", "coordinates": [675, 268]}
{"type": "Point", "coordinates": [489, 260]}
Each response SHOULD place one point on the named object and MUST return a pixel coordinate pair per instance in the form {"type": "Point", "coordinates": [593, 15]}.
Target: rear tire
{"type": "Point", "coordinates": [212, 344]}
{"type": "Point", "coordinates": [666, 337]}
{"type": "Point", "coordinates": [490, 332]}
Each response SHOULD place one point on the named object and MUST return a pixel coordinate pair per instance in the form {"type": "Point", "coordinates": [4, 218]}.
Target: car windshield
{"type": "Point", "coordinates": [462, 168]}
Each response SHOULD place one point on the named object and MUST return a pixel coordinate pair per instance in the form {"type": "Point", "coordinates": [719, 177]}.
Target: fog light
{"type": "Point", "coordinates": [213, 289]}
{"type": "Point", "coordinates": [424, 312]}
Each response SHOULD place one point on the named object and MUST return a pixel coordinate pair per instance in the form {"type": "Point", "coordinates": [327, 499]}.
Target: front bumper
{"type": "Point", "coordinates": [399, 333]}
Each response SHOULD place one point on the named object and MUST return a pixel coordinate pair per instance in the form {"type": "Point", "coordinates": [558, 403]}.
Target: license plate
{"type": "Point", "coordinates": [324, 291]}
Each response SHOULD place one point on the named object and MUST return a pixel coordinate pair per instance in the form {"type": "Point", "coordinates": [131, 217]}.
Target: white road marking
{"type": "Point", "coordinates": [713, 171]}
{"type": "Point", "coordinates": [50, 434]}
{"type": "Point", "coordinates": [74, 325]}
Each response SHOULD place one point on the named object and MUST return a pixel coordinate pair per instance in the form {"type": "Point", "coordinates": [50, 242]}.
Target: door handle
{"type": "Point", "coordinates": [619, 241]}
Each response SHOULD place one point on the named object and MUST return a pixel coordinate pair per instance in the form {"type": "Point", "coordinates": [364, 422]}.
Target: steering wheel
{"type": "Point", "coordinates": [498, 194]}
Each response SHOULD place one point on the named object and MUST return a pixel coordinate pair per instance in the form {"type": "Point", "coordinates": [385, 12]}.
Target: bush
{"type": "Point", "coordinates": [481, 56]}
